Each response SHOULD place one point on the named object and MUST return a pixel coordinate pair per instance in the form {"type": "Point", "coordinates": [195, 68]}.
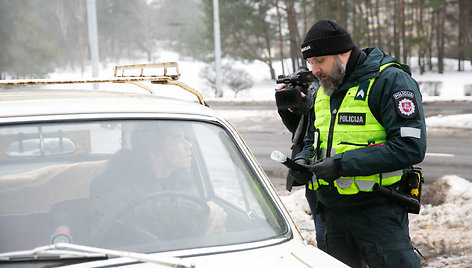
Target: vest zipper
{"type": "Point", "coordinates": [330, 133]}
{"type": "Point", "coordinates": [358, 144]}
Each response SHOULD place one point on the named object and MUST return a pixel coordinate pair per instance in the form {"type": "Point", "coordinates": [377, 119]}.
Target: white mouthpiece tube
{"type": "Point", "coordinates": [278, 156]}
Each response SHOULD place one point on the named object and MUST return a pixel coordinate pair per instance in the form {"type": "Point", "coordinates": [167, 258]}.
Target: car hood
{"type": "Point", "coordinates": [290, 254]}
{"type": "Point", "coordinates": [286, 255]}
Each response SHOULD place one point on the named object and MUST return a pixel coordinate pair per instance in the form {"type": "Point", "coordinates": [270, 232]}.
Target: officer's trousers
{"type": "Point", "coordinates": [378, 235]}
{"type": "Point", "coordinates": [319, 224]}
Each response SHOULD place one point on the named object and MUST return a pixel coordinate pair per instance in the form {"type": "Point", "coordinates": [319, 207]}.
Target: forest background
{"type": "Point", "coordinates": [42, 36]}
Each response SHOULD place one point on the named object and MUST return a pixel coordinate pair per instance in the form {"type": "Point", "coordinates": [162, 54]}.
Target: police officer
{"type": "Point", "coordinates": [366, 126]}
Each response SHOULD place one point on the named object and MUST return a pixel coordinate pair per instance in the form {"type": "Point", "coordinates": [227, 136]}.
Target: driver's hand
{"type": "Point", "coordinates": [216, 219]}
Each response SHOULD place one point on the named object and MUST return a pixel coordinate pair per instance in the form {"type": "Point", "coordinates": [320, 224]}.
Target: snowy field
{"type": "Point", "coordinates": [443, 229]}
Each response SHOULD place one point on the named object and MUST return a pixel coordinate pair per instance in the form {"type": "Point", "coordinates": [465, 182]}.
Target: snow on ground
{"type": "Point", "coordinates": [463, 121]}
{"type": "Point", "coordinates": [442, 231]}
{"type": "Point", "coordinates": [443, 228]}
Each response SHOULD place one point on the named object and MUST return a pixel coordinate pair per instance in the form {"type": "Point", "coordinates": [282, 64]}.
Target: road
{"type": "Point", "coordinates": [448, 151]}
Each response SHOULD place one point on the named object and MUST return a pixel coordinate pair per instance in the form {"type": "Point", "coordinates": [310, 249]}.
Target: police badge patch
{"type": "Point", "coordinates": [405, 103]}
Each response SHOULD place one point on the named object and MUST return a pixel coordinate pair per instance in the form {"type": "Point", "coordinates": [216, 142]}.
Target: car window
{"type": "Point", "coordinates": [229, 173]}
{"type": "Point", "coordinates": [141, 185]}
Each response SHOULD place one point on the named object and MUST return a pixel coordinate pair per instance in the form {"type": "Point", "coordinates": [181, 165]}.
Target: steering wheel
{"type": "Point", "coordinates": [158, 216]}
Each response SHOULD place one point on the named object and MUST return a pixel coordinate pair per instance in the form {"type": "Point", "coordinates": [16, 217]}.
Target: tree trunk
{"type": "Point", "coordinates": [341, 16]}
{"type": "Point", "coordinates": [441, 36]}
{"type": "Point", "coordinates": [396, 37]}
{"type": "Point", "coordinates": [404, 48]}
{"type": "Point", "coordinates": [281, 39]}
{"type": "Point", "coordinates": [461, 36]}
{"type": "Point", "coordinates": [293, 33]}
{"type": "Point", "coordinates": [267, 37]}
{"type": "Point", "coordinates": [304, 7]}
{"type": "Point", "coordinates": [420, 34]}
{"type": "Point", "coordinates": [305, 16]}
{"type": "Point", "coordinates": [369, 23]}
{"type": "Point", "coordinates": [378, 25]}
{"type": "Point", "coordinates": [272, 71]}
{"type": "Point", "coordinates": [318, 10]}
{"type": "Point", "coordinates": [430, 40]}
{"type": "Point", "coordinates": [389, 42]}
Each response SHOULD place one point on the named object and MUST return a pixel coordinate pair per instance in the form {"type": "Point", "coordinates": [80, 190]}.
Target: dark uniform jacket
{"type": "Point", "coordinates": [401, 150]}
{"type": "Point", "coordinates": [120, 188]}
{"type": "Point", "coordinates": [297, 124]}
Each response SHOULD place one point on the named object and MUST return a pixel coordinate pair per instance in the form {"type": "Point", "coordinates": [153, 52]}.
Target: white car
{"type": "Point", "coordinates": [90, 178]}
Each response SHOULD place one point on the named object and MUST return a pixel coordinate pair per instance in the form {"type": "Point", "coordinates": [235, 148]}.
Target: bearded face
{"type": "Point", "coordinates": [331, 82]}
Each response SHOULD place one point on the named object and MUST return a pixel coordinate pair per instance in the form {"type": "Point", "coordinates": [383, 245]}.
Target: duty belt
{"type": "Point", "coordinates": [365, 185]}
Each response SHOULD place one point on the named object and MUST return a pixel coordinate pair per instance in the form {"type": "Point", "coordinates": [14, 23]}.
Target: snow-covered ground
{"type": "Point", "coordinates": [442, 230]}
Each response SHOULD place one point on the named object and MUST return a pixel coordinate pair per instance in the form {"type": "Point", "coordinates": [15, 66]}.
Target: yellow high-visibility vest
{"type": "Point", "coordinates": [353, 126]}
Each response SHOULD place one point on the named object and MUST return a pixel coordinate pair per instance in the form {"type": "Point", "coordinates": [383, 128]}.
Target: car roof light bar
{"type": "Point", "coordinates": [150, 66]}
{"type": "Point", "coordinates": [120, 77]}
{"type": "Point", "coordinates": [166, 78]}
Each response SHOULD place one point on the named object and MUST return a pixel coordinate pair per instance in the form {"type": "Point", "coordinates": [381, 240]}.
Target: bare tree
{"type": "Point", "coordinates": [430, 40]}
{"type": "Point", "coordinates": [208, 74]}
{"type": "Point", "coordinates": [267, 36]}
{"type": "Point", "coordinates": [280, 35]}
{"type": "Point", "coordinates": [420, 33]}
{"type": "Point", "coordinates": [396, 31]}
{"type": "Point", "coordinates": [403, 30]}
{"type": "Point", "coordinates": [295, 53]}
{"type": "Point", "coordinates": [462, 34]}
{"type": "Point", "coordinates": [379, 24]}
{"type": "Point", "coordinates": [238, 80]}
{"type": "Point", "coordinates": [441, 22]}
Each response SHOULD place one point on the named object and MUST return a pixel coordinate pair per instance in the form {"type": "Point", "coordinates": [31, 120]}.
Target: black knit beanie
{"type": "Point", "coordinates": [326, 38]}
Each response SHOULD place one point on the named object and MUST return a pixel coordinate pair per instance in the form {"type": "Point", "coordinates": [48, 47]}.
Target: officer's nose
{"type": "Point", "coordinates": [315, 70]}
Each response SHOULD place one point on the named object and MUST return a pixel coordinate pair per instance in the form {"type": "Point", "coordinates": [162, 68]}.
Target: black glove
{"type": "Point", "coordinates": [302, 177]}
{"type": "Point", "coordinates": [326, 169]}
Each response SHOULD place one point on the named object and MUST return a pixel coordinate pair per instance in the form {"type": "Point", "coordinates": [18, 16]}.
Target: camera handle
{"type": "Point", "coordinates": [298, 132]}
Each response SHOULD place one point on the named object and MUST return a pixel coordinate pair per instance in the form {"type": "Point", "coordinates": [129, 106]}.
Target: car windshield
{"type": "Point", "coordinates": [135, 185]}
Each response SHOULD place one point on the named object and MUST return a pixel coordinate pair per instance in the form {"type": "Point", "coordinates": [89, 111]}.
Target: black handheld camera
{"type": "Point", "coordinates": [290, 97]}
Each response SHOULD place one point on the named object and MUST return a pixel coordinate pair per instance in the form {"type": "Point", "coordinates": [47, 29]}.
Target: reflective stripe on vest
{"type": "Point", "coordinates": [353, 126]}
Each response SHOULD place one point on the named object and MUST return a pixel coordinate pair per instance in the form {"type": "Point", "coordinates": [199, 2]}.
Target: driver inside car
{"type": "Point", "coordinates": [152, 186]}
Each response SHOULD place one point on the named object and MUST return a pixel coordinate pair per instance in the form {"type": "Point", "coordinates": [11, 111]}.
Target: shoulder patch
{"type": "Point", "coordinates": [405, 103]}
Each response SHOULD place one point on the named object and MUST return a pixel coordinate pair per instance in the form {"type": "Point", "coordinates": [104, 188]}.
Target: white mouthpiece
{"type": "Point", "coordinates": [278, 156]}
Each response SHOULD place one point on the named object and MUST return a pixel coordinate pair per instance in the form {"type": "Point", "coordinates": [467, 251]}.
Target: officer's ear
{"type": "Point", "coordinates": [344, 57]}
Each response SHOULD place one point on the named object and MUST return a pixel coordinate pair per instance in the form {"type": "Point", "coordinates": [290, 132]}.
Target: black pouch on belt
{"type": "Point", "coordinates": [413, 176]}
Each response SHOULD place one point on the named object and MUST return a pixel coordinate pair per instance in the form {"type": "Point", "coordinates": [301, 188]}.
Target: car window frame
{"type": "Point", "coordinates": [228, 128]}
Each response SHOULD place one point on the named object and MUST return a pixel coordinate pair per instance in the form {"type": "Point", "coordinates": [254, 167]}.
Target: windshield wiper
{"type": "Point", "coordinates": [67, 250]}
